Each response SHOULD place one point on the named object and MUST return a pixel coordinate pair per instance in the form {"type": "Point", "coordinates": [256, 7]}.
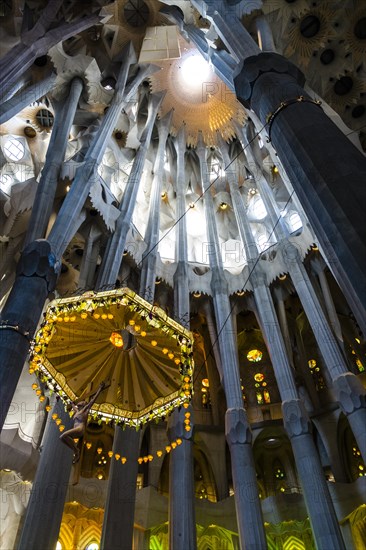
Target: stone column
{"type": "Point", "coordinates": [319, 266]}
{"type": "Point", "coordinates": [281, 310]}
{"type": "Point", "coordinates": [90, 258]}
{"type": "Point", "coordinates": [66, 222]}
{"type": "Point", "coordinates": [297, 424]}
{"type": "Point", "coordinates": [182, 521]}
{"type": "Point", "coordinates": [261, 130]}
{"type": "Point", "coordinates": [182, 524]}
{"type": "Point", "coordinates": [265, 36]}
{"type": "Point", "coordinates": [46, 189]}
{"type": "Point", "coordinates": [303, 137]}
{"type": "Point", "coordinates": [38, 40]}
{"type": "Point", "coordinates": [212, 370]}
{"type": "Point", "coordinates": [148, 272]}
{"type": "Point", "coordinates": [237, 429]}
{"type": "Point", "coordinates": [25, 97]}
{"type": "Point", "coordinates": [207, 309]}
{"type": "Point", "coordinates": [116, 244]}
{"type": "Point", "coordinates": [226, 23]}
{"type": "Point", "coordinates": [328, 346]}
{"type": "Point", "coordinates": [46, 504]}
{"type": "Point", "coordinates": [37, 272]}
{"type": "Point", "coordinates": [117, 532]}
{"type": "Point", "coordinates": [181, 276]}
{"type": "Point", "coordinates": [349, 391]}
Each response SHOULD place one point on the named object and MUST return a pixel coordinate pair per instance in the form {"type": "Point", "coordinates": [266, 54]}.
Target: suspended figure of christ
{"type": "Point", "coordinates": [80, 419]}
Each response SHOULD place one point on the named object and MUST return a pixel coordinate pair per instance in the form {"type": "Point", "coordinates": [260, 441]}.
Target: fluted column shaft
{"type": "Point", "coordinates": [284, 327]}
{"type": "Point", "coordinates": [319, 504]}
{"type": "Point", "coordinates": [120, 503]}
{"type": "Point", "coordinates": [229, 28]}
{"type": "Point", "coordinates": [349, 391]}
{"type": "Point", "coordinates": [46, 189]}
{"type": "Point", "coordinates": [38, 40]}
{"type": "Point", "coordinates": [304, 136]}
{"type": "Point", "coordinates": [116, 244]}
{"type": "Point", "coordinates": [65, 225]}
{"type": "Point", "coordinates": [25, 97]}
{"type": "Point", "coordinates": [46, 504]}
{"type": "Point", "coordinates": [90, 258]}
{"type": "Point", "coordinates": [117, 531]}
{"type": "Point", "coordinates": [181, 276]}
{"type": "Point", "coordinates": [148, 272]}
{"type": "Point", "coordinates": [265, 36]}
{"type": "Point", "coordinates": [36, 277]}
{"type": "Point", "coordinates": [182, 522]}
{"type": "Point", "coordinates": [329, 304]}
{"type": "Point", "coordinates": [238, 434]}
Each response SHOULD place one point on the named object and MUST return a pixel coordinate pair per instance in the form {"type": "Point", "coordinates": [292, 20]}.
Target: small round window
{"type": "Point", "coordinates": [14, 149]}
{"type": "Point", "coordinates": [45, 118]}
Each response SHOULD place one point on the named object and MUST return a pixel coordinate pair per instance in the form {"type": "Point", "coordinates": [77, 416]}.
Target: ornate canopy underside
{"type": "Point", "coordinates": [148, 375]}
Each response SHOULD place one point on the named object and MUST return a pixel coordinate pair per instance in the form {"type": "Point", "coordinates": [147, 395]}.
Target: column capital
{"type": "Point", "coordinates": [350, 393]}
{"type": "Point", "coordinates": [295, 418]}
{"type": "Point", "coordinates": [237, 428]}
{"type": "Point", "coordinates": [218, 282]}
{"type": "Point", "coordinates": [38, 260]}
{"type": "Point", "coordinates": [258, 277]}
{"type": "Point", "coordinates": [318, 265]}
{"type": "Point", "coordinates": [254, 66]}
{"type": "Point", "coordinates": [290, 252]}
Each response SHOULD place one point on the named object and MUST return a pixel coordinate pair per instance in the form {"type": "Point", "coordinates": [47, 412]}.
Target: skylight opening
{"type": "Point", "coordinates": [195, 70]}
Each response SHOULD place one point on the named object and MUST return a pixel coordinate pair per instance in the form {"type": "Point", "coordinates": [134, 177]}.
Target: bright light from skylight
{"type": "Point", "coordinates": [195, 70]}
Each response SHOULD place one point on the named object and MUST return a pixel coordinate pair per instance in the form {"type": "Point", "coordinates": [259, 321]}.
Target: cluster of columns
{"type": "Point", "coordinates": [294, 134]}
{"type": "Point", "coordinates": [237, 428]}
{"type": "Point", "coordinates": [296, 421]}
{"type": "Point", "coordinates": [310, 147]}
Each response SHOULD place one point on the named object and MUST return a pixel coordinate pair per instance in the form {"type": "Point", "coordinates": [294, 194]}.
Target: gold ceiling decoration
{"type": "Point", "coordinates": [346, 90]}
{"type": "Point", "coordinates": [309, 31]}
{"type": "Point", "coordinates": [206, 105]}
{"type": "Point", "coordinates": [147, 374]}
{"type": "Point", "coordinates": [355, 40]}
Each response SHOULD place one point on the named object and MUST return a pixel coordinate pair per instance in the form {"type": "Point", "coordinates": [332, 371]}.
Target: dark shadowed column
{"type": "Point", "coordinates": [325, 169]}
{"type": "Point", "coordinates": [119, 511]}
{"type": "Point", "coordinates": [46, 504]}
{"type": "Point", "coordinates": [36, 276]}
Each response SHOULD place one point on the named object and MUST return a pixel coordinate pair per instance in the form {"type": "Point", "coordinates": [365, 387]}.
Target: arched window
{"type": "Point", "coordinates": [205, 393]}
{"type": "Point", "coordinates": [257, 208]}
{"type": "Point", "coordinates": [92, 546]}
{"type": "Point", "coordinates": [295, 222]}
{"type": "Point", "coordinates": [261, 391]}
{"type": "Point", "coordinates": [58, 545]}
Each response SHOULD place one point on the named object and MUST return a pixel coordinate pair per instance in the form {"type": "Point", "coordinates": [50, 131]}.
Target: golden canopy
{"type": "Point", "coordinates": [143, 356]}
